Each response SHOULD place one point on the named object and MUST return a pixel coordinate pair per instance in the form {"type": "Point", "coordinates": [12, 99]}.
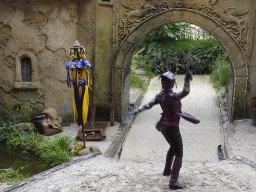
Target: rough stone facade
{"type": "Point", "coordinates": [43, 31]}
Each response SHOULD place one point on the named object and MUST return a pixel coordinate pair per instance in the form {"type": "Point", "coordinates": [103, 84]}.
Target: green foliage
{"type": "Point", "coordinates": [12, 176]}
{"type": "Point", "coordinates": [137, 82]}
{"type": "Point", "coordinates": [29, 108]}
{"type": "Point", "coordinates": [221, 75]}
{"type": "Point", "coordinates": [162, 57]}
{"type": "Point", "coordinates": [55, 152]}
{"type": "Point", "coordinates": [68, 119]}
{"type": "Point", "coordinates": [52, 152]}
{"type": "Point", "coordinates": [174, 31]}
{"type": "Point", "coordinates": [18, 139]}
{"type": "Point", "coordinates": [149, 74]}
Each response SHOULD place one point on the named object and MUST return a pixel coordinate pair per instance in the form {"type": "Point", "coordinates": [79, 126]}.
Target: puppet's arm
{"type": "Point", "coordinates": [144, 107]}
{"type": "Point", "coordinates": [186, 87]}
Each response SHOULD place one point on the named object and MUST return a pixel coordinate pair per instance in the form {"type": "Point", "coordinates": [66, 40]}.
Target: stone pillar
{"type": "Point", "coordinates": [239, 97]}
{"type": "Point", "coordinates": [118, 92]}
{"type": "Point", "coordinates": [103, 52]}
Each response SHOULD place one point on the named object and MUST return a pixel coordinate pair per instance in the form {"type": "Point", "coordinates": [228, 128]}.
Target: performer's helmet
{"type": "Point", "coordinates": [168, 80]}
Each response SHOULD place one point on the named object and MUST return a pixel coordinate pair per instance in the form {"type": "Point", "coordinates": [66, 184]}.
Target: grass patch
{"type": "Point", "coordinates": [11, 176]}
{"type": "Point", "coordinates": [67, 120]}
{"type": "Point", "coordinates": [137, 82]}
{"type": "Point", "coordinates": [55, 152]}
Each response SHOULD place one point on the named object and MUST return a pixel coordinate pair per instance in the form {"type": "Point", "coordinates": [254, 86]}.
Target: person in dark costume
{"type": "Point", "coordinates": [168, 124]}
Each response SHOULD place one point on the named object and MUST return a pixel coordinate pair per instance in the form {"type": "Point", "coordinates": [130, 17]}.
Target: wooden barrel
{"type": "Point", "coordinates": [38, 122]}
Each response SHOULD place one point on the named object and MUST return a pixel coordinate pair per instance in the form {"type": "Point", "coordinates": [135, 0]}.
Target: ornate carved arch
{"type": "Point", "coordinates": [231, 19]}
{"type": "Point", "coordinates": [227, 25]}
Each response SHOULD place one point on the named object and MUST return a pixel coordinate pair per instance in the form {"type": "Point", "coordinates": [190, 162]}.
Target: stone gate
{"type": "Point", "coordinates": [43, 32]}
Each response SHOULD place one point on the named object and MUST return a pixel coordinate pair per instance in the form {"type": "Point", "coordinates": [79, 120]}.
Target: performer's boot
{"type": "Point", "coordinates": [168, 165]}
{"type": "Point", "coordinates": [174, 184]}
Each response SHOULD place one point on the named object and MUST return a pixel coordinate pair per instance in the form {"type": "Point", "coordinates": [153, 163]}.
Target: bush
{"type": "Point", "coordinates": [55, 152]}
{"type": "Point", "coordinates": [28, 109]}
{"type": "Point", "coordinates": [221, 75]}
{"type": "Point", "coordinates": [162, 57]}
{"type": "Point", "coordinates": [52, 152]}
{"type": "Point", "coordinates": [18, 139]}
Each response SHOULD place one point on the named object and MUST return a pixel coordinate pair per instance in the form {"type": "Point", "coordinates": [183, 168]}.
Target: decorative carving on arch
{"type": "Point", "coordinates": [115, 23]}
{"type": "Point", "coordinates": [213, 2]}
{"type": "Point", "coordinates": [132, 16]}
{"type": "Point", "coordinates": [231, 19]}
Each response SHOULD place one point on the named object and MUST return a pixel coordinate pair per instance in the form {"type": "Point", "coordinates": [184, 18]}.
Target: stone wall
{"type": "Point", "coordinates": [110, 30]}
{"type": "Point", "coordinates": [43, 31]}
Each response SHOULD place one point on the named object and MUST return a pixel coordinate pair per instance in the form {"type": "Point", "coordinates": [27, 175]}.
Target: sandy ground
{"type": "Point", "coordinates": [242, 141]}
{"type": "Point", "coordinates": [106, 175]}
{"type": "Point", "coordinates": [145, 174]}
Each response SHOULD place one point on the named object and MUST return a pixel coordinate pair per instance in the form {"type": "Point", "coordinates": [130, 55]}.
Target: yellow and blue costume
{"type": "Point", "coordinates": [79, 75]}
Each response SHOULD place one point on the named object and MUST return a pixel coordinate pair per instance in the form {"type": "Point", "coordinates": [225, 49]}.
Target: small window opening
{"type": "Point", "coordinates": [26, 70]}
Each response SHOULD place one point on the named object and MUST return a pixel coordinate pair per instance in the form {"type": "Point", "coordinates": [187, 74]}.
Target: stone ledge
{"type": "Point", "coordinates": [26, 85]}
{"type": "Point", "coordinates": [106, 3]}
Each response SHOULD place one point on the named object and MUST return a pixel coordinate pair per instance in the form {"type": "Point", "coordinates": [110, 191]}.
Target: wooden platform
{"type": "Point", "coordinates": [96, 130]}
{"type": "Point", "coordinates": [93, 133]}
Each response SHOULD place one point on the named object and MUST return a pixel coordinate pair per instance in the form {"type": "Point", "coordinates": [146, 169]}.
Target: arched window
{"type": "Point", "coordinates": [26, 69]}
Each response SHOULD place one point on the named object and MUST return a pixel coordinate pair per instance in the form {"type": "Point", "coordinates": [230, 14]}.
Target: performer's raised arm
{"type": "Point", "coordinates": [186, 87]}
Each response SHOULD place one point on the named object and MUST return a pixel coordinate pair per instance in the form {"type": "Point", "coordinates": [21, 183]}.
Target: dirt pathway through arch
{"type": "Point", "coordinates": [200, 141]}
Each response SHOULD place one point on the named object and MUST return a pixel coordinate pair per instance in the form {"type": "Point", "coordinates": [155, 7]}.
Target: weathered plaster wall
{"type": "Point", "coordinates": [46, 29]}
{"type": "Point", "coordinates": [110, 31]}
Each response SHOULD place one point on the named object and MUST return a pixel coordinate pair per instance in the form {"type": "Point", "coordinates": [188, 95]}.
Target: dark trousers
{"type": "Point", "coordinates": [173, 137]}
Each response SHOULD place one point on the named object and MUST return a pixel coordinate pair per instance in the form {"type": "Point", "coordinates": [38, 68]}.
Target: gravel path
{"type": "Point", "coordinates": [143, 171]}
{"type": "Point", "coordinates": [109, 175]}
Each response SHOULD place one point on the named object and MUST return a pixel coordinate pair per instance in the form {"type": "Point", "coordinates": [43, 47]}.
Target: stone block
{"type": "Point", "coordinates": [25, 126]}
{"type": "Point", "coordinates": [85, 151]}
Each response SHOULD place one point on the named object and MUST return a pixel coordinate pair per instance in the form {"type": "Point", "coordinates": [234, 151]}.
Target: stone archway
{"type": "Point", "coordinates": [237, 52]}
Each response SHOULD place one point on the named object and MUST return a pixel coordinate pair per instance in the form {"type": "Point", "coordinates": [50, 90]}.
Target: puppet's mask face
{"type": "Point", "coordinates": [167, 80]}
{"type": "Point", "coordinates": [167, 83]}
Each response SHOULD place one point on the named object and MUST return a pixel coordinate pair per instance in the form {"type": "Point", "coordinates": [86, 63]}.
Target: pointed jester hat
{"type": "Point", "coordinates": [168, 80]}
